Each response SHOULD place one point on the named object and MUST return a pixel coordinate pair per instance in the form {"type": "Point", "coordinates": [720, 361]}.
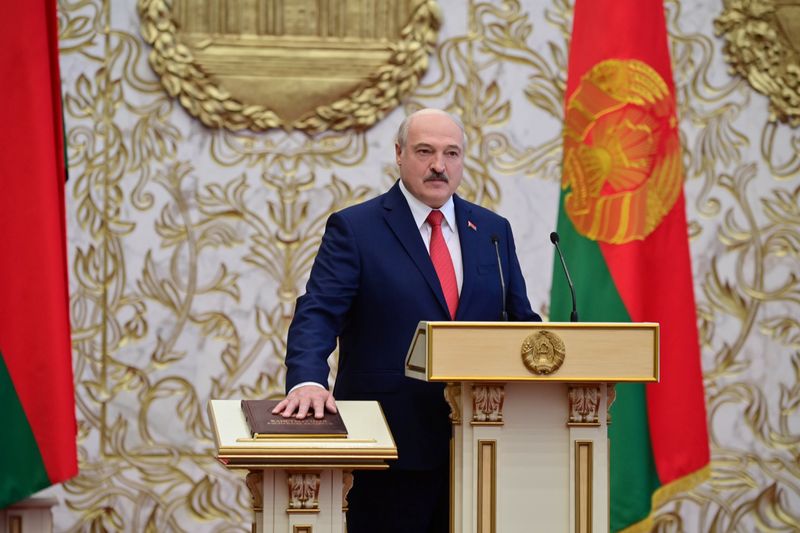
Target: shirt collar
{"type": "Point", "coordinates": [420, 211]}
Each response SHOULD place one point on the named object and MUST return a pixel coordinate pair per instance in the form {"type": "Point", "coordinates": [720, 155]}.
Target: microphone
{"type": "Point", "coordinates": [503, 313]}
{"type": "Point", "coordinates": [573, 317]}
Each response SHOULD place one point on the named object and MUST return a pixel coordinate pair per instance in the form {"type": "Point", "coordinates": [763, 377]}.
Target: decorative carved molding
{"type": "Point", "coordinates": [452, 394]}
{"type": "Point", "coordinates": [762, 44]}
{"type": "Point", "coordinates": [303, 65]}
{"type": "Point", "coordinates": [255, 483]}
{"type": "Point", "coordinates": [487, 404]}
{"type": "Point", "coordinates": [347, 484]}
{"type": "Point", "coordinates": [584, 405]}
{"type": "Point", "coordinates": [611, 395]}
{"type": "Point", "coordinates": [303, 491]}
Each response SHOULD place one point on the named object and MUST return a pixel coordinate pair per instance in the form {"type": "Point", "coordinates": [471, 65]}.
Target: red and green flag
{"type": "Point", "coordinates": [622, 224]}
{"type": "Point", "coordinates": [37, 405]}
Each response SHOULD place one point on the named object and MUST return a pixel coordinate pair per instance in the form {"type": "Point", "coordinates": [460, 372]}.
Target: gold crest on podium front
{"type": "Point", "coordinates": [312, 65]}
{"type": "Point", "coordinates": [543, 352]}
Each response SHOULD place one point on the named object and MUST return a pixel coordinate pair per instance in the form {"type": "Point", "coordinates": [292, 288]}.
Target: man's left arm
{"type": "Point", "coordinates": [517, 303]}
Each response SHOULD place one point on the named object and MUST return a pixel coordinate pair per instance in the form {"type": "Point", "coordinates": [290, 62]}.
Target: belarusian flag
{"type": "Point", "coordinates": [37, 405]}
{"type": "Point", "coordinates": [622, 222]}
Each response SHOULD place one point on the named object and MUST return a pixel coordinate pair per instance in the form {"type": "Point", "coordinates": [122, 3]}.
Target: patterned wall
{"type": "Point", "coordinates": [189, 245]}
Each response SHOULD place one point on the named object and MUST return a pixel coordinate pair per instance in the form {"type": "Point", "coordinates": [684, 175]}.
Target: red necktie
{"type": "Point", "coordinates": [442, 262]}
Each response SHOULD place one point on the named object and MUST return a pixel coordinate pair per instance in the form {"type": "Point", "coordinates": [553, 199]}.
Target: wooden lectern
{"type": "Point", "coordinates": [529, 406]}
{"type": "Point", "coordinates": [300, 485]}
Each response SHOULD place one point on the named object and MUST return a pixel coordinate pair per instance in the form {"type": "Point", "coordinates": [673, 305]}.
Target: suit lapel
{"type": "Point", "coordinates": [398, 217]}
{"type": "Point", "coordinates": [470, 243]}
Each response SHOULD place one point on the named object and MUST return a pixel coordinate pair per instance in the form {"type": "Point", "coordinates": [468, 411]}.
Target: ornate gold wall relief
{"type": "Point", "coordinates": [188, 245]}
{"type": "Point", "coordinates": [763, 46]}
{"type": "Point", "coordinates": [306, 64]}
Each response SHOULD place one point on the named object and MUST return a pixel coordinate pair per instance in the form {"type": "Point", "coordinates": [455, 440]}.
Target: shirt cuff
{"type": "Point", "coordinates": [303, 384]}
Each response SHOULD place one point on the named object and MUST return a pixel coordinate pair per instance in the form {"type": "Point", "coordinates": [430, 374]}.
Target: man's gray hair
{"type": "Point", "coordinates": [402, 131]}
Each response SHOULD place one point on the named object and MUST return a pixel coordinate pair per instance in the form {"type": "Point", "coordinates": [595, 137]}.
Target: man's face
{"type": "Point", "coordinates": [432, 161]}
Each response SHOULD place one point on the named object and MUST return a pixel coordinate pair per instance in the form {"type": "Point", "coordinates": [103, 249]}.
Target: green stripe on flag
{"type": "Point", "coordinates": [632, 470]}
{"type": "Point", "coordinates": [22, 470]}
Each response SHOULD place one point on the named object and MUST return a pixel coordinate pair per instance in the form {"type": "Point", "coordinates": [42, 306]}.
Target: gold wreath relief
{"type": "Point", "coordinates": [303, 64]}
{"type": "Point", "coordinates": [762, 44]}
{"type": "Point", "coordinates": [622, 164]}
{"type": "Point", "coordinates": [543, 352]}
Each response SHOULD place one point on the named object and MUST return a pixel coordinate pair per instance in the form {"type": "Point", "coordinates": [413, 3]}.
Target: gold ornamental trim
{"type": "Point", "coordinates": [543, 352]}
{"type": "Point", "coordinates": [584, 466]}
{"type": "Point", "coordinates": [311, 66]}
{"type": "Point", "coordinates": [487, 486]}
{"type": "Point", "coordinates": [622, 166]}
{"type": "Point", "coordinates": [762, 45]}
{"type": "Point", "coordinates": [666, 492]}
{"type": "Point", "coordinates": [307, 466]}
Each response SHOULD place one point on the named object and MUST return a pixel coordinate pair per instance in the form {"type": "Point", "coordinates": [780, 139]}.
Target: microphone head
{"type": "Point", "coordinates": [554, 237]}
{"type": "Point", "coordinates": [495, 238]}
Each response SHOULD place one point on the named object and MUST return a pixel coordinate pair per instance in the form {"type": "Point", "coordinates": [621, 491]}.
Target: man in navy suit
{"type": "Point", "coordinates": [383, 266]}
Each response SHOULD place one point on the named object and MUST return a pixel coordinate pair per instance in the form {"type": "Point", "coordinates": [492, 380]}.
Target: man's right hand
{"type": "Point", "coordinates": [301, 399]}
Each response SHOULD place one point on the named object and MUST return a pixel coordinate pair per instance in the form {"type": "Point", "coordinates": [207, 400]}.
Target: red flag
{"type": "Point", "coordinates": [622, 221]}
{"type": "Point", "coordinates": [36, 388]}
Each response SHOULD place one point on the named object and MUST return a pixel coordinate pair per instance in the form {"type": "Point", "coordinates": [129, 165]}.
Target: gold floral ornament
{"type": "Point", "coordinates": [762, 44]}
{"type": "Point", "coordinates": [304, 64]}
{"type": "Point", "coordinates": [621, 152]}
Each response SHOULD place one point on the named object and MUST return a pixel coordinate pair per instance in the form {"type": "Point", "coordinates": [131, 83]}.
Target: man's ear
{"type": "Point", "coordinates": [397, 153]}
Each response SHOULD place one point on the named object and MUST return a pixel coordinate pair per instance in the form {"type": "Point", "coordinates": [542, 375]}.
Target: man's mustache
{"type": "Point", "coordinates": [436, 176]}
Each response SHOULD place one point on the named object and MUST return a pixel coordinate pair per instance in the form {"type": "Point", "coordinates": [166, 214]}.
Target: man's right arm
{"type": "Point", "coordinates": [319, 317]}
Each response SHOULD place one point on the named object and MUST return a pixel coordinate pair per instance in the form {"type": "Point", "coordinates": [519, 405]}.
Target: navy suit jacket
{"type": "Point", "coordinates": [371, 283]}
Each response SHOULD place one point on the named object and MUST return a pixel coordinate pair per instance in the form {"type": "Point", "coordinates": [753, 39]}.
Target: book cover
{"type": "Point", "coordinates": [263, 424]}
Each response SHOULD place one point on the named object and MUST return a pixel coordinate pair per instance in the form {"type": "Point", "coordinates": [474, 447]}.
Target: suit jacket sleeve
{"type": "Point", "coordinates": [320, 314]}
{"type": "Point", "coordinates": [517, 303]}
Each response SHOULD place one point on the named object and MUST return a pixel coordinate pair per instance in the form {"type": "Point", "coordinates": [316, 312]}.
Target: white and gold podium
{"type": "Point", "coordinates": [529, 406]}
{"type": "Point", "coordinates": [300, 485]}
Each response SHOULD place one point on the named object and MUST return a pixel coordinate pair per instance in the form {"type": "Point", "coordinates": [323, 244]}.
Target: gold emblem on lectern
{"type": "Point", "coordinates": [543, 352]}
{"type": "Point", "coordinates": [301, 64]}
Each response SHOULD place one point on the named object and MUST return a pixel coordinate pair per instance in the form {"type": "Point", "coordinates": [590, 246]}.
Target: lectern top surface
{"type": "Point", "coordinates": [368, 437]}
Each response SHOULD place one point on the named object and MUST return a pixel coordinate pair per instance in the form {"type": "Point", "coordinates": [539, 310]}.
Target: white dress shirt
{"type": "Point", "coordinates": [420, 212]}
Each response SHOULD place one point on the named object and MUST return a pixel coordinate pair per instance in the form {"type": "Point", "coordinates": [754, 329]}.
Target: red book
{"type": "Point", "coordinates": [265, 425]}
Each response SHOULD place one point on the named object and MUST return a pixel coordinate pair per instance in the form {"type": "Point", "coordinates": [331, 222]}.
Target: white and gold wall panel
{"type": "Point", "coordinates": [188, 245]}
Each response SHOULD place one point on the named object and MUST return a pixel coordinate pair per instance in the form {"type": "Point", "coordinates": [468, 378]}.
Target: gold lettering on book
{"type": "Point", "coordinates": [297, 422]}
